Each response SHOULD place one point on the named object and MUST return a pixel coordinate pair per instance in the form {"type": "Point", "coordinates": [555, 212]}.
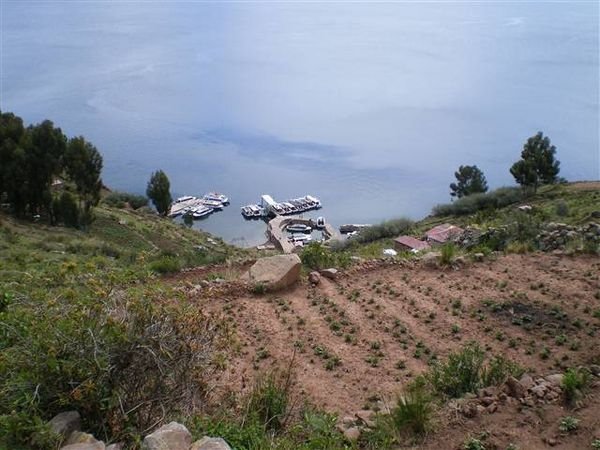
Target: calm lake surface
{"type": "Point", "coordinates": [369, 106]}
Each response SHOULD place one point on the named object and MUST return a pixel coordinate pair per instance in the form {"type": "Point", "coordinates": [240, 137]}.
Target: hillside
{"type": "Point", "coordinates": [108, 323]}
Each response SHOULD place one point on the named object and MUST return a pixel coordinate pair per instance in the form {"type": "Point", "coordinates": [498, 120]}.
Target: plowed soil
{"type": "Point", "coordinates": [362, 336]}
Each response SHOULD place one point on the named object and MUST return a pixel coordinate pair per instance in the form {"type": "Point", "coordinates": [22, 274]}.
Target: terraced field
{"type": "Point", "coordinates": [358, 339]}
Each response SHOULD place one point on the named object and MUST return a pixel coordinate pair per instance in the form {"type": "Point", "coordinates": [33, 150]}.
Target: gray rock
{"type": "Point", "coordinates": [210, 443]}
{"type": "Point", "coordinates": [539, 390]}
{"type": "Point", "coordinates": [276, 272]}
{"type": "Point", "coordinates": [85, 446]}
{"type": "Point", "coordinates": [352, 434]}
{"type": "Point", "coordinates": [65, 423]}
{"type": "Point", "coordinates": [173, 436]}
{"type": "Point", "coordinates": [515, 388]}
{"type": "Point", "coordinates": [115, 446]}
{"type": "Point", "coordinates": [79, 437]}
{"type": "Point", "coordinates": [478, 256]}
{"type": "Point", "coordinates": [526, 381]}
{"type": "Point", "coordinates": [366, 416]}
{"type": "Point", "coordinates": [431, 259]}
{"type": "Point", "coordinates": [555, 379]}
{"type": "Point", "coordinates": [330, 273]}
{"type": "Point", "coordinates": [314, 277]}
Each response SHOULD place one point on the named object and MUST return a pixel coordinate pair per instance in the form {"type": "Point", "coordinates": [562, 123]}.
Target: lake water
{"type": "Point", "coordinates": [369, 106]}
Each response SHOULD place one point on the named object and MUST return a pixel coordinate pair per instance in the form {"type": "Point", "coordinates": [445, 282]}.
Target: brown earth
{"type": "Point", "coordinates": [361, 337]}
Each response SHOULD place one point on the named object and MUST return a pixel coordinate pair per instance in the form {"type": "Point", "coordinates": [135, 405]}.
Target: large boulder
{"type": "Point", "coordinates": [173, 436]}
{"type": "Point", "coordinates": [210, 443]}
{"type": "Point", "coordinates": [65, 423]}
{"type": "Point", "coordinates": [275, 272]}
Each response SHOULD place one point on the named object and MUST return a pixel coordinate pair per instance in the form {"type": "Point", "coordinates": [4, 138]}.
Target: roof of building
{"type": "Point", "coordinates": [443, 232]}
{"type": "Point", "coordinates": [412, 242]}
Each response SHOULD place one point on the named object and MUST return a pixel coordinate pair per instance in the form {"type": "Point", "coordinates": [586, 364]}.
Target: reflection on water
{"type": "Point", "coordinates": [370, 107]}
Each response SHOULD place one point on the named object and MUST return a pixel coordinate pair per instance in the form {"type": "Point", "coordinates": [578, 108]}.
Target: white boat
{"type": "Point", "coordinates": [217, 197]}
{"type": "Point", "coordinates": [214, 204]}
{"type": "Point", "coordinates": [200, 212]}
{"type": "Point", "coordinates": [320, 222]}
{"type": "Point", "coordinates": [185, 198]}
{"type": "Point", "coordinates": [298, 228]}
{"type": "Point", "coordinates": [301, 238]}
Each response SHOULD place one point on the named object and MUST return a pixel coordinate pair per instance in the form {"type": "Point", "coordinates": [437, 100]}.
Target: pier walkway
{"type": "Point", "coordinates": [278, 236]}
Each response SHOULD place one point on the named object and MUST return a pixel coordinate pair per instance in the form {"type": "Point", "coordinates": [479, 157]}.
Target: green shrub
{"type": "Point", "coordinates": [165, 264]}
{"type": "Point", "coordinates": [471, 204]}
{"type": "Point", "coordinates": [573, 383]}
{"type": "Point", "coordinates": [268, 402]}
{"type": "Point", "coordinates": [448, 251]}
{"type": "Point", "coordinates": [412, 412]}
{"type": "Point", "coordinates": [316, 256]}
{"type": "Point", "coordinates": [388, 229]}
{"type": "Point", "coordinates": [466, 371]}
{"type": "Point", "coordinates": [258, 289]}
{"type": "Point", "coordinates": [461, 373]}
{"type": "Point", "coordinates": [568, 424]}
{"type": "Point", "coordinates": [121, 374]}
{"type": "Point", "coordinates": [498, 370]}
{"type": "Point", "coordinates": [562, 209]}
{"type": "Point", "coordinates": [120, 199]}
{"type": "Point", "coordinates": [473, 444]}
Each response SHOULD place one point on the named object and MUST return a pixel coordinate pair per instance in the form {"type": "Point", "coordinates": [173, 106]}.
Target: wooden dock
{"type": "Point", "coordinates": [278, 236]}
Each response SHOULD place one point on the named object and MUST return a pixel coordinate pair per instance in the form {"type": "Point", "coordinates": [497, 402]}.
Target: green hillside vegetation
{"type": "Point", "coordinates": [76, 310]}
{"type": "Point", "coordinates": [568, 203]}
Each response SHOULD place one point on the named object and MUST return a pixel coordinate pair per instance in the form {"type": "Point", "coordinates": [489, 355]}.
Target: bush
{"type": "Point", "coordinates": [268, 402]}
{"type": "Point", "coordinates": [573, 383]}
{"type": "Point", "coordinates": [165, 264]}
{"type": "Point", "coordinates": [412, 412]}
{"type": "Point", "coordinates": [316, 256]}
{"type": "Point", "coordinates": [471, 204]}
{"type": "Point", "coordinates": [562, 209]}
{"type": "Point", "coordinates": [120, 199]}
{"type": "Point", "coordinates": [121, 365]}
{"type": "Point", "coordinates": [388, 229]}
{"type": "Point", "coordinates": [448, 251]}
{"type": "Point", "coordinates": [465, 371]}
{"type": "Point", "coordinates": [498, 370]}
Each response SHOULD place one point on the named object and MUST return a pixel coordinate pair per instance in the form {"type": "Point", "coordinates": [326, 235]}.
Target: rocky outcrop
{"type": "Point", "coordinates": [173, 436]}
{"type": "Point", "coordinates": [556, 236]}
{"type": "Point", "coordinates": [525, 391]}
{"type": "Point", "coordinates": [275, 272]}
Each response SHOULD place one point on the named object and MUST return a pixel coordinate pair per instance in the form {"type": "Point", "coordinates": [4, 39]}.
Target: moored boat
{"type": "Point", "coordinates": [298, 228]}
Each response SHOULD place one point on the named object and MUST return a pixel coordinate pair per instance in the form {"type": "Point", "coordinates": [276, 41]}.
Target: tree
{"type": "Point", "coordinates": [471, 180]}
{"type": "Point", "coordinates": [83, 165]}
{"type": "Point", "coordinates": [158, 191]}
{"type": "Point", "coordinates": [537, 165]}
{"type": "Point", "coordinates": [45, 147]}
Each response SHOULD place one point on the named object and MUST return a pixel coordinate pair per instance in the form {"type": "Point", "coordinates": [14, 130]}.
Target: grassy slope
{"type": "Point", "coordinates": [581, 199]}
{"type": "Point", "coordinates": [118, 237]}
